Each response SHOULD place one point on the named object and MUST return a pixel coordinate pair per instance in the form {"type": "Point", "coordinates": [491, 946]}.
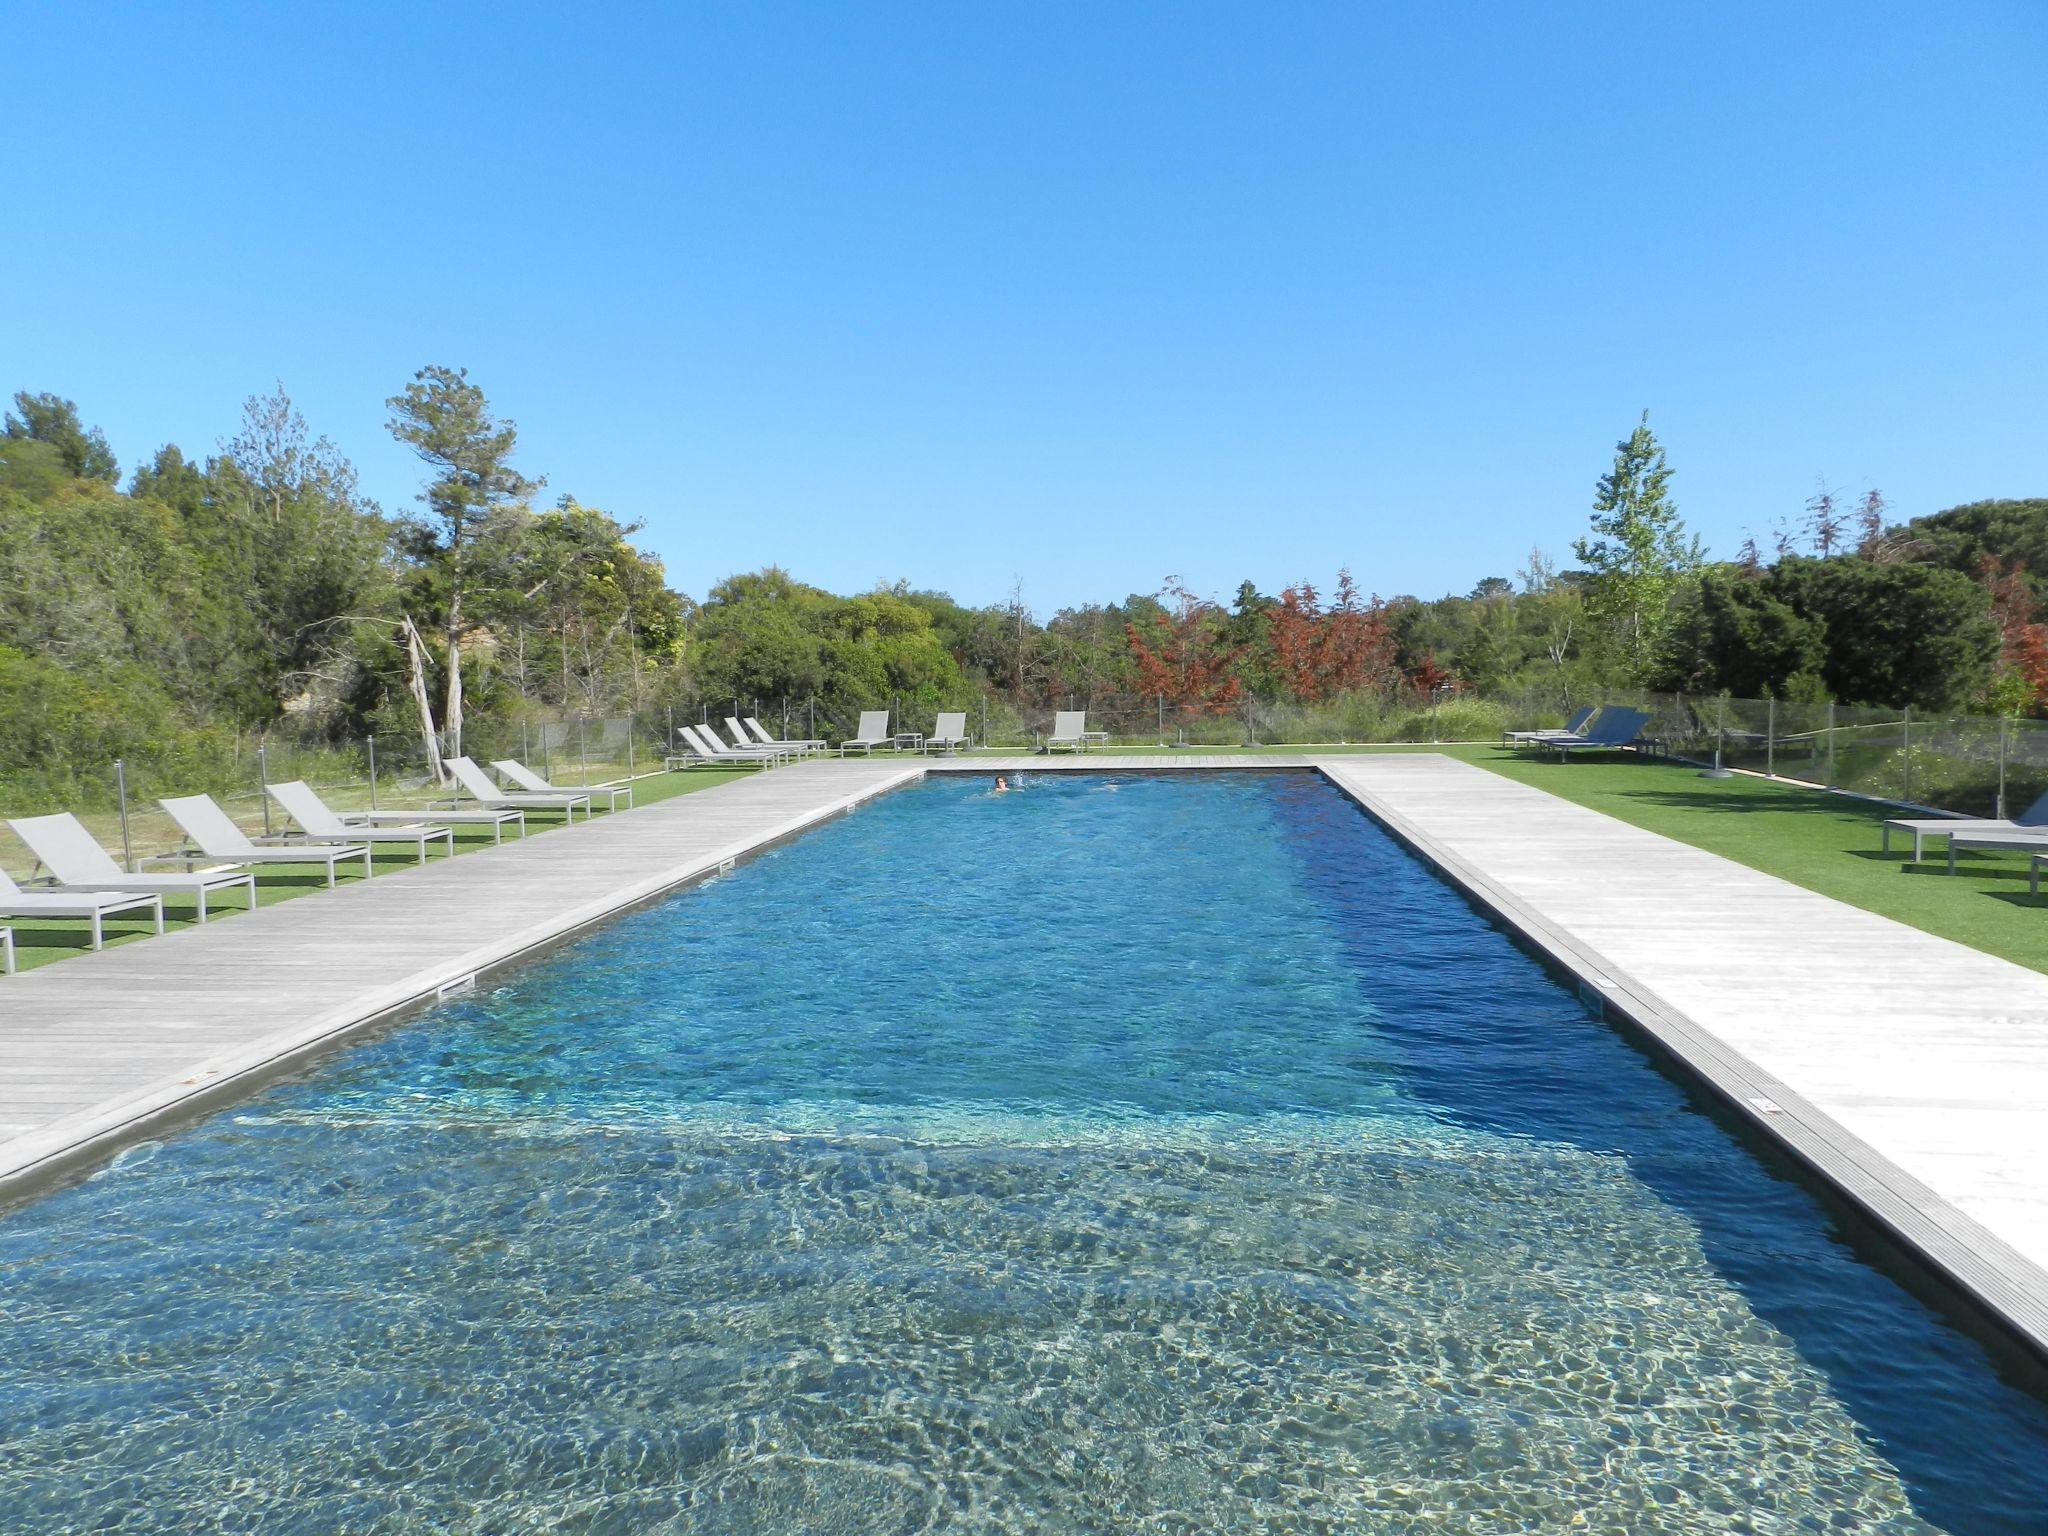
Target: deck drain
{"type": "Point", "coordinates": [1767, 1106]}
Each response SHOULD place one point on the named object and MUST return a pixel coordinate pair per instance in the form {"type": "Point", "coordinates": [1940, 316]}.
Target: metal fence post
{"type": "Point", "coordinates": [1770, 738]}
{"type": "Point", "coordinates": [121, 794]}
{"type": "Point", "coordinates": [1908, 753]}
{"type": "Point", "coordinates": [547, 752]}
{"type": "Point", "coordinates": [525, 746]}
{"type": "Point", "coordinates": [668, 742]}
{"type": "Point", "coordinates": [263, 778]}
{"type": "Point", "coordinates": [582, 749]}
{"type": "Point", "coordinates": [373, 770]}
{"type": "Point", "coordinates": [1999, 809]}
{"type": "Point", "coordinates": [632, 725]}
{"type": "Point", "coordinates": [984, 720]}
{"type": "Point", "coordinates": [1831, 743]}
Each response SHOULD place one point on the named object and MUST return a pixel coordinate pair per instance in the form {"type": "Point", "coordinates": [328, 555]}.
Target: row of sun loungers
{"type": "Point", "coordinates": [751, 744]}
{"type": "Point", "coordinates": [1608, 729]}
{"type": "Point", "coordinates": [89, 884]}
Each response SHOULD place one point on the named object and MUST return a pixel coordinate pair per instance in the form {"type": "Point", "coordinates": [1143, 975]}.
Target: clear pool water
{"type": "Point", "coordinates": [1155, 1156]}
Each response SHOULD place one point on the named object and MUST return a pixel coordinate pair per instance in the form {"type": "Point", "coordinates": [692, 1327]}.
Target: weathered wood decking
{"type": "Point", "coordinates": [99, 1045]}
{"type": "Point", "coordinates": [1909, 1070]}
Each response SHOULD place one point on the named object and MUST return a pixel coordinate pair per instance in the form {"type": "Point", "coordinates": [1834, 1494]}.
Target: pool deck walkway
{"type": "Point", "coordinates": [98, 1047]}
{"type": "Point", "coordinates": [1910, 1071]}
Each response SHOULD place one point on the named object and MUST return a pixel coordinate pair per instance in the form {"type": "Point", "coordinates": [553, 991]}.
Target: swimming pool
{"type": "Point", "coordinates": [1163, 1155]}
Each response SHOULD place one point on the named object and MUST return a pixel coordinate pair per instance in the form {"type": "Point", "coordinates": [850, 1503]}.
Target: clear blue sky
{"type": "Point", "coordinates": [1080, 294]}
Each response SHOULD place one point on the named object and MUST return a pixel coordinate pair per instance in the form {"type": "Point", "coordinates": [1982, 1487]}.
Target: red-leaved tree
{"type": "Point", "coordinates": [1340, 649]}
{"type": "Point", "coordinates": [1182, 654]}
{"type": "Point", "coordinates": [2023, 640]}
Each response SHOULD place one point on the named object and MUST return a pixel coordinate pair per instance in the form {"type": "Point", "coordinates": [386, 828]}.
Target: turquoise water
{"type": "Point", "coordinates": [1155, 1156]}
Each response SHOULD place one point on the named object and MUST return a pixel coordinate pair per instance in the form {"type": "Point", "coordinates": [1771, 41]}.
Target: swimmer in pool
{"type": "Point", "coordinates": [1002, 785]}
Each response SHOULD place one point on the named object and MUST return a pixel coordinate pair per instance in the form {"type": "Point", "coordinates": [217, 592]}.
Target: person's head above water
{"type": "Point", "coordinates": [1002, 784]}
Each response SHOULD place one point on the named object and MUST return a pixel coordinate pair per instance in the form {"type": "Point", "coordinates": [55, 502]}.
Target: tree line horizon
{"type": "Point", "coordinates": [260, 586]}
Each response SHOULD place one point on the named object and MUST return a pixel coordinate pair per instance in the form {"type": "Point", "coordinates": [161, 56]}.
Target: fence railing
{"type": "Point", "coordinates": [1979, 765]}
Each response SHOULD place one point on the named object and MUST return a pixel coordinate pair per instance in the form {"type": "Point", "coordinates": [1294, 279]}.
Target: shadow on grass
{"type": "Point", "coordinates": [1749, 802]}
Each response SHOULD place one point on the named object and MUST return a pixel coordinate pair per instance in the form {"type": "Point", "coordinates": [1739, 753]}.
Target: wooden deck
{"type": "Point", "coordinates": [97, 1047]}
{"type": "Point", "coordinates": [1910, 1071]}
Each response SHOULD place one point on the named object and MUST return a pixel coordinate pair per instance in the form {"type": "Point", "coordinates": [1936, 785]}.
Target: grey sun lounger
{"type": "Point", "coordinates": [526, 779]}
{"type": "Point", "coordinates": [94, 906]}
{"type": "Point", "coordinates": [872, 733]}
{"type": "Point", "coordinates": [1070, 732]}
{"type": "Point", "coordinates": [1614, 730]}
{"type": "Point", "coordinates": [213, 832]}
{"type": "Point", "coordinates": [761, 738]}
{"type": "Point", "coordinates": [1923, 827]}
{"type": "Point", "coordinates": [949, 733]}
{"type": "Point", "coordinates": [7, 950]}
{"type": "Point", "coordinates": [2015, 839]}
{"type": "Point", "coordinates": [477, 785]}
{"type": "Point", "coordinates": [64, 847]}
{"type": "Point", "coordinates": [1574, 728]}
{"type": "Point", "coordinates": [316, 819]}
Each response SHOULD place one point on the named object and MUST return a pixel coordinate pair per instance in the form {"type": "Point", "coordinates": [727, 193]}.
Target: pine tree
{"type": "Point", "coordinates": [1639, 554]}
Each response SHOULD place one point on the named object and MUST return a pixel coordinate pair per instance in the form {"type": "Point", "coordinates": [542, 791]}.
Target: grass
{"type": "Point", "coordinates": [1827, 843]}
{"type": "Point", "coordinates": [41, 942]}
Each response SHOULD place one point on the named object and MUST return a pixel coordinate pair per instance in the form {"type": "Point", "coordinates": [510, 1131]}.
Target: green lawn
{"type": "Point", "coordinates": [1827, 843]}
{"type": "Point", "coordinates": [41, 942]}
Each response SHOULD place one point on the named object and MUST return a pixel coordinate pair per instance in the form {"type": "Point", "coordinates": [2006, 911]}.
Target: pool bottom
{"type": "Point", "coordinates": [1008, 1327]}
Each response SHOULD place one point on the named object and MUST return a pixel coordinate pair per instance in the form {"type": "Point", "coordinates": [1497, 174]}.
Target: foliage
{"type": "Point", "coordinates": [1184, 655]}
{"type": "Point", "coordinates": [1638, 552]}
{"type": "Point", "coordinates": [82, 451]}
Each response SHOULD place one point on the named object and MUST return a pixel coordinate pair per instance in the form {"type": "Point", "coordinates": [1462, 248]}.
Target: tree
{"type": "Point", "coordinates": [1639, 553]}
{"type": "Point", "coordinates": [54, 420]}
{"type": "Point", "coordinates": [1182, 654]}
{"type": "Point", "coordinates": [2022, 639]}
{"type": "Point", "coordinates": [1825, 522]}
{"type": "Point", "coordinates": [446, 420]}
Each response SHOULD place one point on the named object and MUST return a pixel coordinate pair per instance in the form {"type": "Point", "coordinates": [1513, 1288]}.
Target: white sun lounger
{"type": "Point", "coordinates": [761, 738]}
{"type": "Point", "coordinates": [303, 804]}
{"type": "Point", "coordinates": [1923, 827]}
{"type": "Point", "coordinates": [523, 776]}
{"type": "Point", "coordinates": [213, 832]}
{"type": "Point", "coordinates": [478, 786]}
{"type": "Point", "coordinates": [705, 743]}
{"type": "Point", "coordinates": [94, 906]}
{"type": "Point", "coordinates": [746, 743]}
{"type": "Point", "coordinates": [872, 733]}
{"type": "Point", "coordinates": [7, 950]}
{"type": "Point", "coordinates": [64, 847]}
{"type": "Point", "coordinates": [690, 755]}
{"type": "Point", "coordinates": [949, 733]}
